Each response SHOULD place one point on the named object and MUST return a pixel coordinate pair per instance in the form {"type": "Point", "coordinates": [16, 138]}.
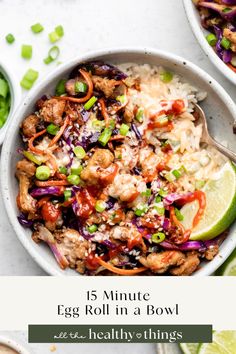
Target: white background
{"type": "Point", "coordinates": [89, 24]}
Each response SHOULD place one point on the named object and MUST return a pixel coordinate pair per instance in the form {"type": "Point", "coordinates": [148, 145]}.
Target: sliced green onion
{"type": "Point", "coordinates": [89, 104]}
{"type": "Point", "coordinates": [139, 115]}
{"type": "Point", "coordinates": [124, 128]}
{"type": "Point", "coordinates": [61, 88]}
{"type": "Point", "coordinates": [121, 99]}
{"type": "Point", "coordinates": [76, 169]}
{"type": "Point", "coordinates": [105, 136]}
{"type": "Point", "coordinates": [79, 152]}
{"type": "Point", "coordinates": [53, 129]}
{"type": "Point", "coordinates": [42, 173]}
{"type": "Point", "coordinates": [163, 119]}
{"type": "Point", "coordinates": [63, 170]}
{"type": "Point", "coordinates": [53, 37]}
{"type": "Point", "coordinates": [112, 124]}
{"type": "Point", "coordinates": [225, 43]}
{"type": "Point", "coordinates": [59, 31]}
{"type": "Point", "coordinates": [178, 214]}
{"type": "Point", "coordinates": [26, 51]}
{"type": "Point", "coordinates": [158, 199]}
{"type": "Point", "coordinates": [73, 179]}
{"type": "Point", "coordinates": [100, 206]}
{"type": "Point", "coordinates": [141, 210]}
{"type": "Point", "coordinates": [31, 157]}
{"type": "Point", "coordinates": [91, 229]}
{"type": "Point", "coordinates": [98, 124]}
{"type": "Point", "coordinates": [147, 193]}
{"type": "Point", "coordinates": [199, 184]}
{"type": "Point", "coordinates": [166, 76]}
{"type": "Point", "coordinates": [10, 38]}
{"type": "Point", "coordinates": [29, 79]}
{"type": "Point", "coordinates": [37, 28]}
{"type": "Point", "coordinates": [211, 39]}
{"type": "Point", "coordinates": [170, 177]}
{"type": "Point", "coordinates": [67, 194]}
{"type": "Point", "coordinates": [160, 210]}
{"type": "Point", "coordinates": [4, 88]}
{"type": "Point", "coordinates": [227, 9]}
{"type": "Point", "coordinates": [177, 173]}
{"type": "Point", "coordinates": [158, 237]}
{"type": "Point", "coordinates": [52, 55]}
{"type": "Point", "coordinates": [81, 87]}
{"type": "Point", "coordinates": [162, 193]}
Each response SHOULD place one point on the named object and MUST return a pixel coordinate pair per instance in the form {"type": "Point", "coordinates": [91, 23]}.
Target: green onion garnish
{"type": "Point", "coordinates": [67, 194]}
{"type": "Point", "coordinates": [60, 88]}
{"type": "Point", "coordinates": [177, 173]}
{"type": "Point", "coordinates": [53, 129]}
{"type": "Point", "coordinates": [98, 124]}
{"type": "Point", "coordinates": [26, 51]}
{"type": "Point", "coordinates": [199, 184]}
{"type": "Point", "coordinates": [37, 28]}
{"type": "Point", "coordinates": [105, 136]}
{"type": "Point", "coordinates": [124, 128]}
{"type": "Point", "coordinates": [100, 206]}
{"type": "Point", "coordinates": [121, 99]}
{"type": "Point", "coordinates": [73, 179]}
{"type": "Point", "coordinates": [80, 87]}
{"type": "Point", "coordinates": [166, 76]}
{"type": "Point", "coordinates": [158, 237]}
{"type": "Point", "coordinates": [59, 31]}
{"type": "Point", "coordinates": [162, 193]}
{"type": "Point", "coordinates": [225, 43]}
{"type": "Point", "coordinates": [91, 229]}
{"type": "Point", "coordinates": [158, 199]}
{"type": "Point", "coordinates": [163, 119]}
{"type": "Point", "coordinates": [42, 173]}
{"type": "Point", "coordinates": [139, 115]}
{"type": "Point", "coordinates": [53, 37]}
{"type": "Point", "coordinates": [52, 55]}
{"type": "Point", "coordinates": [29, 79]}
{"type": "Point", "coordinates": [79, 152]}
{"type": "Point", "coordinates": [63, 170]}
{"type": "Point", "coordinates": [211, 39]}
{"type": "Point", "coordinates": [178, 214]}
{"type": "Point", "coordinates": [31, 157]}
{"type": "Point", "coordinates": [10, 38]}
{"type": "Point", "coordinates": [227, 9]}
{"type": "Point", "coordinates": [147, 193]}
{"type": "Point", "coordinates": [141, 210]}
{"type": "Point", "coordinates": [89, 104]}
{"type": "Point", "coordinates": [160, 210]}
{"type": "Point", "coordinates": [76, 169]}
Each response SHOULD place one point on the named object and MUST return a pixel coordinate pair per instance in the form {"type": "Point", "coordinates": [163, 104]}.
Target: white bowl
{"type": "Point", "coordinates": [200, 33]}
{"type": "Point", "coordinates": [218, 106]}
{"type": "Point", "coordinates": [15, 96]}
{"type": "Point", "coordinates": [11, 343]}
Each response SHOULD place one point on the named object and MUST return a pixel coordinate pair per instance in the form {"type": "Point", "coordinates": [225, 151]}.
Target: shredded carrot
{"type": "Point", "coordinates": [104, 112]}
{"type": "Point", "coordinates": [120, 271]}
{"type": "Point", "coordinates": [51, 183]}
{"type": "Point", "coordinates": [117, 137]}
{"type": "Point", "coordinates": [42, 201]}
{"type": "Point", "coordinates": [61, 176]}
{"type": "Point", "coordinates": [231, 67]}
{"type": "Point", "coordinates": [89, 82]}
{"type": "Point", "coordinates": [31, 142]}
{"type": "Point", "coordinates": [61, 131]}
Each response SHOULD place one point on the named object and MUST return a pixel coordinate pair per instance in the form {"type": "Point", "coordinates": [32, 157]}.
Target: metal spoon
{"type": "Point", "coordinates": [206, 138]}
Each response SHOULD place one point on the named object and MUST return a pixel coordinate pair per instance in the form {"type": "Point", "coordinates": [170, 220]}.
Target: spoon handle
{"type": "Point", "coordinates": [224, 150]}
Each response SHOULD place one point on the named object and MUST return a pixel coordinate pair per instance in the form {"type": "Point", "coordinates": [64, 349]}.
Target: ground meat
{"type": "Point", "coordinates": [227, 33]}
{"type": "Point", "coordinates": [97, 166]}
{"type": "Point", "coordinates": [74, 247]}
{"type": "Point", "coordinates": [211, 252]}
{"type": "Point", "coordinates": [124, 233]}
{"type": "Point", "coordinates": [29, 125]}
{"type": "Point", "coordinates": [25, 167]}
{"type": "Point", "coordinates": [128, 114]}
{"type": "Point", "coordinates": [52, 111]}
{"type": "Point", "coordinates": [107, 86]}
{"type": "Point", "coordinates": [160, 262]}
{"type": "Point", "coordinates": [126, 187]}
{"type": "Point", "coordinates": [190, 264]}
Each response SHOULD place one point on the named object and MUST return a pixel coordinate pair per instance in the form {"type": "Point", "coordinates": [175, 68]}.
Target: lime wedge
{"type": "Point", "coordinates": [189, 348]}
{"type": "Point", "coordinates": [224, 342]}
{"type": "Point", "coordinates": [220, 206]}
{"type": "Point", "coordinates": [229, 266]}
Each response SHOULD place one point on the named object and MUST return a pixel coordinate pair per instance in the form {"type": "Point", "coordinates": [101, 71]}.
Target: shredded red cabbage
{"type": "Point", "coordinates": [39, 192]}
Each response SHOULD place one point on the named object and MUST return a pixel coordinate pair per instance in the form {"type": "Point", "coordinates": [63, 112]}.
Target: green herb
{"type": "Point", "coordinates": [124, 128]}
{"type": "Point", "coordinates": [141, 210]}
{"type": "Point", "coordinates": [63, 170]}
{"type": "Point", "coordinates": [89, 104]}
{"type": "Point", "coordinates": [225, 43]}
{"type": "Point", "coordinates": [73, 179]}
{"type": "Point", "coordinates": [100, 206]}
{"type": "Point", "coordinates": [121, 99]}
{"type": "Point", "coordinates": [29, 79]}
{"type": "Point", "coordinates": [59, 31]}
{"type": "Point", "coordinates": [67, 194]}
{"type": "Point", "coordinates": [147, 193]}
{"type": "Point", "coordinates": [61, 88]}
{"type": "Point", "coordinates": [91, 229]}
{"type": "Point", "coordinates": [79, 152]}
{"type": "Point", "coordinates": [76, 169]}
{"type": "Point", "coordinates": [211, 39]}
{"type": "Point", "coordinates": [10, 38]}
{"type": "Point", "coordinates": [26, 51]}
{"type": "Point", "coordinates": [37, 28]}
{"type": "Point", "coordinates": [226, 9]}
{"type": "Point", "coordinates": [162, 193]}
{"type": "Point", "coordinates": [105, 136]}
{"type": "Point", "coordinates": [53, 129]}
{"type": "Point", "coordinates": [42, 173]}
{"type": "Point", "coordinates": [178, 214]}
{"type": "Point", "coordinates": [166, 76]}
{"type": "Point", "coordinates": [158, 237]}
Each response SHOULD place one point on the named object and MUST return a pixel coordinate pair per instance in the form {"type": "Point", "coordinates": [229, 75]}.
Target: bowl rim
{"type": "Point", "coordinates": [209, 268]}
{"type": "Point", "coordinates": [13, 344]}
{"type": "Point", "coordinates": [15, 92]}
{"type": "Point", "coordinates": [199, 35]}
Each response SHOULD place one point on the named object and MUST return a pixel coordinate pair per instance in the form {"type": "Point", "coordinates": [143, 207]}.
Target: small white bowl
{"type": "Point", "coordinates": [218, 106]}
{"type": "Point", "coordinates": [200, 33]}
{"type": "Point", "coordinates": [15, 97]}
{"type": "Point", "coordinates": [11, 343]}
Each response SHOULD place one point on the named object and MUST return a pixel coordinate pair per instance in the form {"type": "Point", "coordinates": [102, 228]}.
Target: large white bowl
{"type": "Point", "coordinates": [200, 33]}
{"type": "Point", "coordinates": [13, 344]}
{"type": "Point", "coordinates": [218, 107]}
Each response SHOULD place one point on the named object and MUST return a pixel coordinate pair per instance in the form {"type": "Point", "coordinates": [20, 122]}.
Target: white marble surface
{"type": "Point", "coordinates": [89, 24]}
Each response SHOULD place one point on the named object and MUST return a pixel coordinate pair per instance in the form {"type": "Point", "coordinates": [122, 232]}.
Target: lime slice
{"type": "Point", "coordinates": [224, 342]}
{"type": "Point", "coordinates": [220, 206]}
{"type": "Point", "coordinates": [189, 348]}
{"type": "Point", "coordinates": [229, 267]}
